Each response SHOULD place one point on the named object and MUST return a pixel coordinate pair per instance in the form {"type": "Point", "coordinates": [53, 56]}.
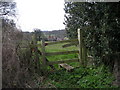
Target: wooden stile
{"type": "Point", "coordinates": [82, 51]}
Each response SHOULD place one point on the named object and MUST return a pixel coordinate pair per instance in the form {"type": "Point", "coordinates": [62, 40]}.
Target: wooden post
{"type": "Point", "coordinates": [82, 49]}
{"type": "Point", "coordinates": [80, 46]}
{"type": "Point", "coordinates": [37, 64]}
{"type": "Point", "coordinates": [44, 63]}
{"type": "Point", "coordinates": [84, 55]}
{"type": "Point", "coordinates": [43, 52]}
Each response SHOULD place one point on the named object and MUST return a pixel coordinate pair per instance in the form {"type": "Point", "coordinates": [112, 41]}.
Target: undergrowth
{"type": "Point", "coordinates": [89, 77]}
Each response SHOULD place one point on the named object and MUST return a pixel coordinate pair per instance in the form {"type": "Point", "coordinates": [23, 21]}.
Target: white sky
{"type": "Point", "coordinates": [42, 14]}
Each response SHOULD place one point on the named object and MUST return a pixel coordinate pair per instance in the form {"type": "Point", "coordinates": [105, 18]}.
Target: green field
{"type": "Point", "coordinates": [59, 48]}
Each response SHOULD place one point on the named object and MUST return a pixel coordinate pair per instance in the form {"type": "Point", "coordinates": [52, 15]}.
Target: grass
{"type": "Point", "coordinates": [58, 47]}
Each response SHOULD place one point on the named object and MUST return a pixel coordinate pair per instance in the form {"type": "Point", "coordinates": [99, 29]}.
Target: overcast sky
{"type": "Point", "coordinates": [42, 14]}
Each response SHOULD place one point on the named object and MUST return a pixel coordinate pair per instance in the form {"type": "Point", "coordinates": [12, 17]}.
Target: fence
{"type": "Point", "coordinates": [82, 51]}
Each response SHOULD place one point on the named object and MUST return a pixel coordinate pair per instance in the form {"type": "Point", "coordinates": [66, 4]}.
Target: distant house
{"type": "Point", "coordinates": [51, 38]}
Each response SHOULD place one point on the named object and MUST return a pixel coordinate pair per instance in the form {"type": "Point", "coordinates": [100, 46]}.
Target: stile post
{"type": "Point", "coordinates": [43, 52]}
{"type": "Point", "coordinates": [84, 55]}
{"type": "Point", "coordinates": [44, 63]}
{"type": "Point", "coordinates": [80, 46]}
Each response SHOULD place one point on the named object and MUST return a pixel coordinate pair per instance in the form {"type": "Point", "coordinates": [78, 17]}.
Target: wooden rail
{"type": "Point", "coordinates": [61, 53]}
{"type": "Point", "coordinates": [64, 41]}
{"type": "Point", "coordinates": [70, 44]}
{"type": "Point", "coordinates": [65, 61]}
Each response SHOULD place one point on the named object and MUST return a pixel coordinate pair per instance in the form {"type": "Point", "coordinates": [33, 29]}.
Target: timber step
{"type": "Point", "coordinates": [66, 66]}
